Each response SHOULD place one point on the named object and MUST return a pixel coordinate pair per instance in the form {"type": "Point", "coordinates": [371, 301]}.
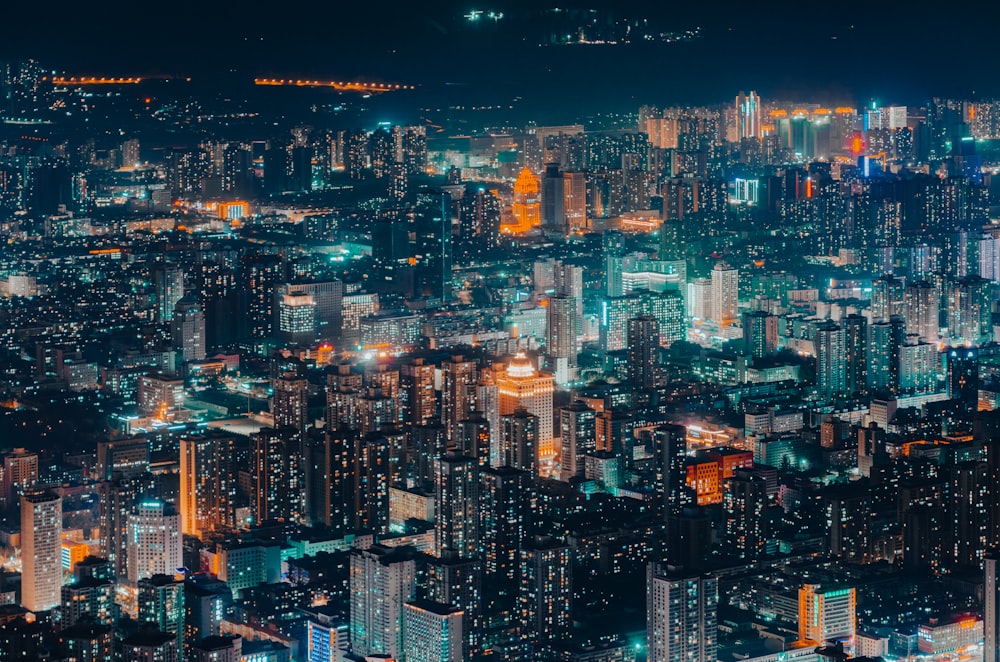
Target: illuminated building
{"type": "Point", "coordinates": [354, 307]}
{"type": "Point", "coordinates": [725, 294]}
{"type": "Point", "coordinates": [745, 504]}
{"type": "Point", "coordinates": [886, 339]}
{"type": "Point", "coordinates": [545, 600]}
{"type": "Point", "coordinates": [20, 472]}
{"type": "Point", "coordinates": [479, 215]}
{"type": "Point", "coordinates": [207, 484]}
{"type": "Point", "coordinates": [259, 276]}
{"type": "Point", "coordinates": [577, 433]}
{"type": "Point", "coordinates": [991, 607]}
{"type": "Point", "coordinates": [474, 438]}
{"type": "Point", "coordinates": [457, 581]}
{"type": "Point", "coordinates": [553, 199]}
{"type": "Point", "coordinates": [527, 205]}
{"type": "Point", "coordinates": [615, 314]}
{"type": "Point", "coordinates": [88, 598]}
{"type": "Point", "coordinates": [613, 243]}
{"type": "Point", "coordinates": [278, 473]}
{"type": "Point", "coordinates": [458, 392]}
{"type": "Point", "coordinates": [224, 648]}
{"type": "Point", "coordinates": [432, 632]}
{"type": "Point", "coordinates": [504, 511]}
{"type": "Point", "coordinates": [456, 486]}
{"type": "Point", "coordinates": [433, 244]}
{"type": "Point", "coordinates": [968, 311]}
{"type": "Point", "coordinates": [154, 540]}
{"type": "Point", "coordinates": [951, 638]}
{"type": "Point", "coordinates": [328, 299]}
{"type": "Point", "coordinates": [41, 551]}
{"type": "Point", "coordinates": [643, 343]}
{"type": "Point", "coordinates": [382, 580]}
{"type": "Point", "coordinates": [760, 334]}
{"type": "Point", "coordinates": [297, 318]}
{"type": "Point", "coordinates": [168, 281]}
{"type": "Point", "coordinates": [419, 397]}
{"type": "Point", "coordinates": [328, 640]}
{"type": "Point", "coordinates": [831, 372]}
{"type": "Point", "coordinates": [188, 331]}
{"type": "Point", "coordinates": [827, 615]}
{"type": "Point", "coordinates": [748, 116]}
{"type": "Point", "coordinates": [290, 405]}
{"type": "Point", "coordinates": [521, 386]}
{"type": "Point", "coordinates": [561, 337]}
{"type": "Point", "coordinates": [118, 498]}
{"type": "Point", "coordinates": [519, 441]}
{"type": "Point", "coordinates": [234, 210]}
{"type": "Point", "coordinates": [87, 642]}
{"type": "Point", "coordinates": [681, 615]}
{"type": "Point", "coordinates": [152, 646]}
{"type": "Point", "coordinates": [575, 200]}
{"type": "Point", "coordinates": [160, 600]}
{"type": "Point", "coordinates": [207, 602]}
{"type": "Point", "coordinates": [922, 303]}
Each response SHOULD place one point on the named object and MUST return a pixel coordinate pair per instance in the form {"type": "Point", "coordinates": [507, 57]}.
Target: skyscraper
{"type": "Point", "coordinates": [553, 199]}
{"type": "Point", "coordinates": [725, 294]}
{"type": "Point", "coordinates": [545, 603]}
{"type": "Point", "coordinates": [259, 276]}
{"type": "Point", "coordinates": [681, 615]}
{"type": "Point", "coordinates": [503, 519]}
{"type": "Point", "coordinates": [831, 373]}
{"type": "Point", "coordinates": [208, 484]}
{"type": "Point", "coordinates": [188, 331]}
{"type": "Point", "coordinates": [168, 282]}
{"type": "Point", "coordinates": [527, 206]}
{"type": "Point", "coordinates": [382, 580]}
{"type": "Point", "coordinates": [456, 484]}
{"type": "Point", "coordinates": [160, 600]}
{"type": "Point", "coordinates": [41, 551]}
{"type": "Point", "coordinates": [278, 474]}
{"type": "Point", "coordinates": [670, 446]}
{"type": "Point", "coordinates": [154, 540]}
{"type": "Point", "coordinates": [613, 242]}
{"type": "Point", "coordinates": [991, 607]}
{"type": "Point", "coordinates": [290, 409]}
{"type": "Point", "coordinates": [760, 334]}
{"type": "Point", "coordinates": [748, 123]}
{"type": "Point", "coordinates": [433, 246]}
{"type": "Point", "coordinates": [522, 386]}
{"type": "Point", "coordinates": [577, 432]}
{"type": "Point", "coordinates": [432, 632]}
{"type": "Point", "coordinates": [561, 337]}
{"type": "Point", "coordinates": [827, 615]}
{"type": "Point", "coordinates": [643, 335]}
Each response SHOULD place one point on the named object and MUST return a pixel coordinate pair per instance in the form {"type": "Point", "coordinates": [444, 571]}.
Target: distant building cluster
{"type": "Point", "coordinates": [722, 383]}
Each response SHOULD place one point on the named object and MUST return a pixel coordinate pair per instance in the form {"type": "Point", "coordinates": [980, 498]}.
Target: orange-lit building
{"type": "Point", "coordinates": [520, 385]}
{"type": "Point", "coordinates": [708, 471]}
{"type": "Point", "coordinates": [527, 208]}
{"type": "Point", "coordinates": [72, 553]}
{"type": "Point", "coordinates": [828, 615]}
{"type": "Point", "coordinates": [233, 210]}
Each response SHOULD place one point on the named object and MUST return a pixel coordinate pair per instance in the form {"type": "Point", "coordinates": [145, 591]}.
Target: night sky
{"type": "Point", "coordinates": [826, 52]}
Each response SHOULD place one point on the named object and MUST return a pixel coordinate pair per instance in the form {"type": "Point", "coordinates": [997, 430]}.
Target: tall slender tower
{"type": "Point", "coordinates": [41, 551]}
{"type": "Point", "coordinates": [991, 607]}
{"type": "Point", "coordinates": [681, 615]}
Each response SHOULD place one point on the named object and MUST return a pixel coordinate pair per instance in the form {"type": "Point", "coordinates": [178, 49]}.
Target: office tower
{"type": "Point", "coordinates": [963, 375]}
{"type": "Point", "coordinates": [456, 488]}
{"type": "Point", "coordinates": [831, 370]}
{"type": "Point", "coordinates": [827, 615]}
{"type": "Point", "coordinates": [725, 294]}
{"type": "Point", "coordinates": [207, 484]}
{"type": "Point", "coordinates": [480, 212]}
{"type": "Point", "coordinates": [473, 438]}
{"type": "Point", "coordinates": [922, 303]}
{"type": "Point", "coordinates": [526, 209]}
{"type": "Point", "coordinates": [504, 501]}
{"type": "Point", "coordinates": [919, 365]}
{"type": "Point", "coordinates": [382, 580]}
{"type": "Point", "coordinates": [521, 386]}
{"type": "Point", "coordinates": [888, 298]}
{"type": "Point", "coordinates": [150, 646]}
{"type": "Point", "coordinates": [615, 314]}
{"type": "Point", "coordinates": [259, 276]}
{"type": "Point", "coordinates": [433, 632]}
{"type": "Point", "coordinates": [748, 124]}
{"type": "Point", "coordinates": [760, 334]}
{"type": "Point", "coordinates": [458, 391]}
{"type": "Point", "coordinates": [578, 437]}
{"type": "Point", "coordinates": [154, 540]}
{"type": "Point", "coordinates": [883, 354]}
{"type": "Point", "coordinates": [457, 581]}
{"type": "Point", "coordinates": [41, 551]}
{"type": "Point", "coordinates": [433, 258]}
{"type": "Point", "coordinates": [519, 445]}
{"type": "Point", "coordinates": [188, 330]}
{"type": "Point", "coordinates": [328, 298]}
{"type": "Point", "coordinates": [699, 298]}
{"type": "Point", "coordinates": [20, 472]}
{"type": "Point", "coordinates": [561, 328]}
{"type": "Point", "coordinates": [553, 199]}
{"type": "Point", "coordinates": [643, 334]}
{"type": "Point", "coordinates": [168, 284]}
{"type": "Point", "coordinates": [856, 354]}
{"type": "Point", "coordinates": [118, 498]}
{"type": "Point", "coordinates": [297, 318]}
{"type": "Point", "coordinates": [278, 475]}
{"type": "Point", "coordinates": [991, 607]}
{"type": "Point", "coordinates": [745, 505]}
{"type": "Point", "coordinates": [613, 242]}
{"type": "Point", "coordinates": [681, 615]}
{"type": "Point", "coordinates": [871, 449]}
{"type": "Point", "coordinates": [670, 446]}
{"type": "Point", "coordinates": [545, 600]}
{"type": "Point", "coordinates": [488, 402]}
{"type": "Point", "coordinates": [291, 402]}
{"type": "Point", "coordinates": [160, 600]}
